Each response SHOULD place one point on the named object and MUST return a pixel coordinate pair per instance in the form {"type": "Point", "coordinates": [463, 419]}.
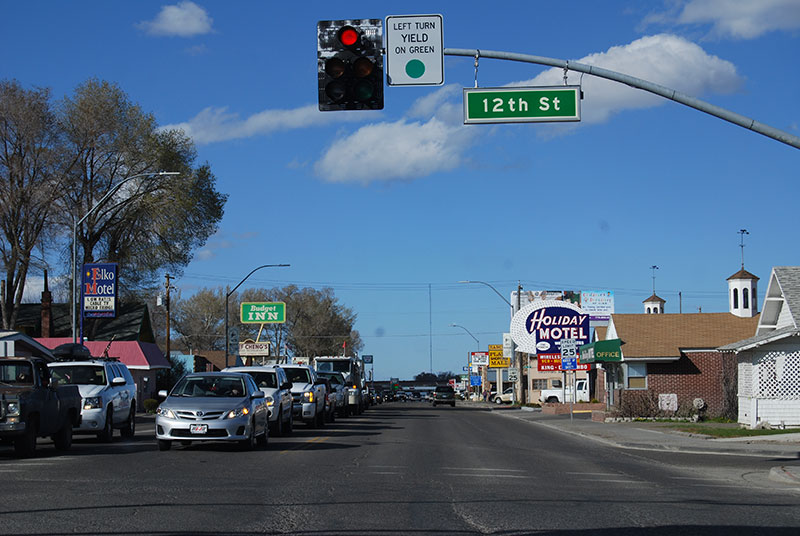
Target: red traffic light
{"type": "Point", "coordinates": [348, 36]}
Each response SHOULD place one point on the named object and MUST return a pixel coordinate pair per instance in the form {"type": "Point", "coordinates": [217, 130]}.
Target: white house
{"type": "Point", "coordinates": [769, 363]}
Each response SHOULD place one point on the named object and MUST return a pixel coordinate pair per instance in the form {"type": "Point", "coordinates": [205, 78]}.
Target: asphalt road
{"type": "Point", "coordinates": [401, 468]}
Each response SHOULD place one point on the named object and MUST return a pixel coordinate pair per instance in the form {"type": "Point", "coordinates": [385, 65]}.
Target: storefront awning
{"type": "Point", "coordinates": [601, 352]}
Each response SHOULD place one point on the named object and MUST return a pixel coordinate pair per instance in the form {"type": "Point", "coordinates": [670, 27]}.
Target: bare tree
{"type": "Point", "coordinates": [32, 169]}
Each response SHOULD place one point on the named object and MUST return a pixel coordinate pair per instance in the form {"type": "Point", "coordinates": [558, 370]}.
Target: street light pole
{"type": "Point", "coordinates": [228, 295]}
{"type": "Point", "coordinates": [111, 192]}
{"type": "Point", "coordinates": [476, 341]}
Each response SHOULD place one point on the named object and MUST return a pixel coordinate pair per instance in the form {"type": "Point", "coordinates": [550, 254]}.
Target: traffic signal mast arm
{"type": "Point", "coordinates": [638, 83]}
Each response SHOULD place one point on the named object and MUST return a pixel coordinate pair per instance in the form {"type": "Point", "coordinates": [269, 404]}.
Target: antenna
{"type": "Point", "coordinates": [742, 232]}
{"type": "Point", "coordinates": [654, 268]}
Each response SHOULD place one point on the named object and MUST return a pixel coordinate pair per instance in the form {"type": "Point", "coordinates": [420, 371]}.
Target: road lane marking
{"type": "Point", "coordinates": [482, 469]}
{"type": "Point", "coordinates": [485, 476]}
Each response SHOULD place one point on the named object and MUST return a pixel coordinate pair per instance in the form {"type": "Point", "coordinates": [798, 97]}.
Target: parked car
{"type": "Point", "coordinates": [308, 395]}
{"type": "Point", "coordinates": [565, 395]}
{"type": "Point", "coordinates": [213, 406]}
{"type": "Point", "coordinates": [444, 394]}
{"type": "Point", "coordinates": [108, 392]}
{"type": "Point", "coordinates": [31, 406]}
{"type": "Point", "coordinates": [338, 387]}
{"type": "Point", "coordinates": [506, 397]}
{"type": "Point", "coordinates": [272, 380]}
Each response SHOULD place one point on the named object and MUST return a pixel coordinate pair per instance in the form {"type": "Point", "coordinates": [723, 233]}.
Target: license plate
{"type": "Point", "coordinates": [198, 428]}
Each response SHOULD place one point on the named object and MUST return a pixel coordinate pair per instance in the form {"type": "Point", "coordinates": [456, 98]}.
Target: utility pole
{"type": "Point", "coordinates": [166, 304]}
{"type": "Point", "coordinates": [520, 393]}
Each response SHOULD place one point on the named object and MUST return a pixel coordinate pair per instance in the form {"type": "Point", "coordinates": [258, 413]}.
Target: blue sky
{"type": "Point", "coordinates": [380, 205]}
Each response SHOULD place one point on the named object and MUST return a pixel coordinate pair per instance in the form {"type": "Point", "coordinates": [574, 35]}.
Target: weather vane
{"type": "Point", "coordinates": [742, 232]}
{"type": "Point", "coordinates": [654, 268]}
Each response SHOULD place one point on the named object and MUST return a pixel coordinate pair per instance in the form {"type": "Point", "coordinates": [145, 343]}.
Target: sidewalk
{"type": "Point", "coordinates": [784, 448]}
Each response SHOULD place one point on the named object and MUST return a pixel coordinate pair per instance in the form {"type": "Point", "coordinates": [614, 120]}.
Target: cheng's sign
{"type": "Point", "coordinates": [99, 290]}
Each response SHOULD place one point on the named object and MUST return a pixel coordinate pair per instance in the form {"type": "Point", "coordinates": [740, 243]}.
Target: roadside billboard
{"type": "Point", "coordinates": [599, 304]}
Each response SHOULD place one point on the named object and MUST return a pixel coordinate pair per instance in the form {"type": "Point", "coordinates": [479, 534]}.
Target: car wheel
{"type": "Point", "coordinates": [164, 444]}
{"type": "Point", "coordinates": [25, 445]}
{"type": "Point", "coordinates": [551, 399]}
{"type": "Point", "coordinates": [289, 428]}
{"type": "Point", "coordinates": [129, 430]}
{"type": "Point", "coordinates": [250, 442]}
{"type": "Point", "coordinates": [333, 415]}
{"type": "Point", "coordinates": [107, 434]}
{"type": "Point", "coordinates": [498, 401]}
{"type": "Point", "coordinates": [320, 418]}
{"type": "Point", "coordinates": [63, 438]}
{"type": "Point", "coordinates": [263, 439]}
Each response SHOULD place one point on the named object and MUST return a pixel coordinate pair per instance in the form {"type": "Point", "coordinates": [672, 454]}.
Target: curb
{"type": "Point", "coordinates": [787, 475]}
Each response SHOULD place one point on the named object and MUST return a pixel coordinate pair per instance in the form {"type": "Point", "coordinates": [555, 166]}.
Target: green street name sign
{"type": "Point", "coordinates": [522, 104]}
{"type": "Point", "coordinates": [263, 313]}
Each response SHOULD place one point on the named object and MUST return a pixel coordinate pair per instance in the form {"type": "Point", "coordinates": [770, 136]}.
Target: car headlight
{"type": "Point", "coordinates": [165, 412]}
{"type": "Point", "coordinates": [12, 408]}
{"type": "Point", "coordinates": [308, 396]}
{"type": "Point", "coordinates": [92, 402]}
{"type": "Point", "coordinates": [238, 412]}
{"type": "Point", "coordinates": [270, 401]}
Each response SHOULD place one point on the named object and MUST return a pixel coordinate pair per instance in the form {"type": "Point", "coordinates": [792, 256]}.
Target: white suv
{"type": "Point", "coordinates": [108, 395]}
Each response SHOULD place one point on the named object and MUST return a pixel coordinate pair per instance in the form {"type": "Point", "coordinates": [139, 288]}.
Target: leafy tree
{"type": "Point", "coordinates": [151, 223]}
{"type": "Point", "coordinates": [31, 175]}
{"type": "Point", "coordinates": [441, 377]}
{"type": "Point", "coordinates": [316, 323]}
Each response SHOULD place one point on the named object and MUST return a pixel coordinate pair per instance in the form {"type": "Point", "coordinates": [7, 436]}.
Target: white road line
{"type": "Point", "coordinates": [485, 476]}
{"type": "Point", "coordinates": [482, 469]}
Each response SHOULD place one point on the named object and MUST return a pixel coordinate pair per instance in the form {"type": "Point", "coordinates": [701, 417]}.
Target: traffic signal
{"type": "Point", "coordinates": [350, 64]}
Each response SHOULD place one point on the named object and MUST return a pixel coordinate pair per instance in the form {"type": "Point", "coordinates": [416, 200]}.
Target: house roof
{"type": "Point", "coordinates": [666, 335]}
{"type": "Point", "coordinates": [655, 298]}
{"type": "Point", "coordinates": [132, 322]}
{"type": "Point", "coordinates": [217, 358]}
{"type": "Point", "coordinates": [780, 315]}
{"type": "Point", "coordinates": [134, 354]}
{"type": "Point", "coordinates": [743, 274]}
{"type": "Point", "coordinates": [25, 345]}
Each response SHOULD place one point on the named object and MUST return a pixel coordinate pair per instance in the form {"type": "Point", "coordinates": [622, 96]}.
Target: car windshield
{"type": "Point", "coordinates": [444, 389]}
{"type": "Point", "coordinates": [265, 379]}
{"type": "Point", "coordinates": [333, 366]}
{"type": "Point", "coordinates": [207, 386]}
{"type": "Point", "coordinates": [298, 375]}
{"type": "Point", "coordinates": [335, 378]}
{"type": "Point", "coordinates": [16, 373]}
{"type": "Point", "coordinates": [79, 374]}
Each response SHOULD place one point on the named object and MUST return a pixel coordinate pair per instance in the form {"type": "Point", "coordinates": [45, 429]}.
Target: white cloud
{"type": "Point", "coordinates": [185, 19]}
{"type": "Point", "coordinates": [738, 19]}
{"type": "Point", "coordinates": [217, 124]}
{"type": "Point", "coordinates": [664, 59]}
{"type": "Point", "coordinates": [391, 151]}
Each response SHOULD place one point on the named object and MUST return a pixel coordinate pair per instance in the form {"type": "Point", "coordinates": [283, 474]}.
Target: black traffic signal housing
{"type": "Point", "coordinates": [350, 64]}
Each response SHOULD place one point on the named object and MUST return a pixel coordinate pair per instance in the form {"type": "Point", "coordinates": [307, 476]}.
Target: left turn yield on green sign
{"type": "Point", "coordinates": [263, 312]}
{"type": "Point", "coordinates": [414, 50]}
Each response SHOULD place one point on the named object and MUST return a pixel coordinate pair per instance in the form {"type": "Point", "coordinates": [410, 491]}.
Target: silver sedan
{"type": "Point", "coordinates": [213, 406]}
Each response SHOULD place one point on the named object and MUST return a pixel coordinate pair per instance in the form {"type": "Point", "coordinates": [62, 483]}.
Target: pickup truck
{"type": "Point", "coordinates": [308, 395]}
{"type": "Point", "coordinates": [31, 406]}
{"type": "Point", "coordinates": [557, 395]}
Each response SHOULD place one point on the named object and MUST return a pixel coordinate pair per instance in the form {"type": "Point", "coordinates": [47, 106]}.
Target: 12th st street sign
{"type": "Point", "coordinates": [522, 104]}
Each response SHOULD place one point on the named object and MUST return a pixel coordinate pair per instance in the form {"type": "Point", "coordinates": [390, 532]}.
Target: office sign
{"type": "Point", "coordinates": [99, 290]}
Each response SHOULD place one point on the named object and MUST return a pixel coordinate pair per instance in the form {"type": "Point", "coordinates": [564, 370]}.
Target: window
{"type": "Point", "coordinates": [538, 385]}
{"type": "Point", "coordinates": [745, 299]}
{"type": "Point", "coordinates": [636, 377]}
{"type": "Point", "coordinates": [736, 298]}
{"type": "Point", "coordinates": [555, 384]}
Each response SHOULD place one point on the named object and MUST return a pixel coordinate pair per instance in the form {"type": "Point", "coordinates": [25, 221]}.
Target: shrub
{"type": "Point", "coordinates": [150, 405]}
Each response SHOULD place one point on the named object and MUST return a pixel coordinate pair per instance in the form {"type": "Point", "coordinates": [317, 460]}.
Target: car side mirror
{"type": "Point", "coordinates": [258, 394]}
{"type": "Point", "coordinates": [119, 380]}
{"type": "Point", "coordinates": [162, 394]}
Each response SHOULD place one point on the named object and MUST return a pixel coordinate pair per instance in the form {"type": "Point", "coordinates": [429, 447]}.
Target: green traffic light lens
{"type": "Point", "coordinates": [336, 91]}
{"type": "Point", "coordinates": [363, 90]}
{"type": "Point", "coordinates": [363, 67]}
{"type": "Point", "coordinates": [334, 67]}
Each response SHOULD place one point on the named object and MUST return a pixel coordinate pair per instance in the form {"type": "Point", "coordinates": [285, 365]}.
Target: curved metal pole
{"type": "Point", "coordinates": [228, 295]}
{"type": "Point", "coordinates": [491, 287]}
{"type": "Point", "coordinates": [469, 332]}
{"type": "Point", "coordinates": [682, 98]}
{"type": "Point", "coordinates": [103, 199]}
